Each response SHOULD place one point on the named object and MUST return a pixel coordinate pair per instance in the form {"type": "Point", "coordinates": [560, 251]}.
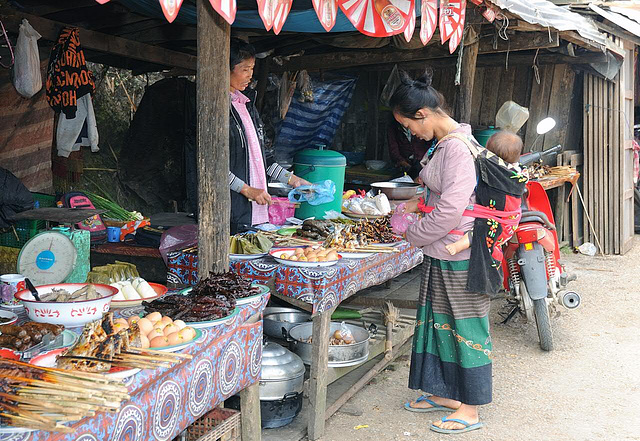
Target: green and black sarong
{"type": "Point", "coordinates": [451, 356]}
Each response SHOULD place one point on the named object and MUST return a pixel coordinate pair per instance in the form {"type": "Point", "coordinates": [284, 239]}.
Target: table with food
{"type": "Point", "coordinates": [120, 358]}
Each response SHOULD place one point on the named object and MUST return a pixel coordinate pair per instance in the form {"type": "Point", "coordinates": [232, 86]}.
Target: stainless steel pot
{"type": "Point", "coordinates": [339, 356]}
{"type": "Point", "coordinates": [278, 324]}
{"type": "Point", "coordinates": [282, 372]}
{"type": "Point", "coordinates": [397, 190]}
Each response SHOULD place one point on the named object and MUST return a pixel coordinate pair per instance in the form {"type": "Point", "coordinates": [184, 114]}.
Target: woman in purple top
{"type": "Point", "coordinates": [452, 352]}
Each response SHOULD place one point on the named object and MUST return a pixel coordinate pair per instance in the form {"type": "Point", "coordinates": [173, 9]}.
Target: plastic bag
{"type": "Point", "coordinates": [279, 210]}
{"type": "Point", "coordinates": [27, 78]}
{"type": "Point", "coordinates": [315, 194]}
{"type": "Point", "coordinates": [392, 84]}
{"type": "Point", "coordinates": [178, 238]}
{"type": "Point", "coordinates": [400, 221]}
{"type": "Point", "coordinates": [511, 116]}
{"type": "Point", "coordinates": [377, 205]}
{"type": "Point", "coordinates": [342, 336]}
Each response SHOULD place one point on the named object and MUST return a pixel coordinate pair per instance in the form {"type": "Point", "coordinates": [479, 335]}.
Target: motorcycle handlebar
{"type": "Point", "coordinates": [530, 158]}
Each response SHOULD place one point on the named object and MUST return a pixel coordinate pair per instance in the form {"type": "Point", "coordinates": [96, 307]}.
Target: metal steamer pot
{"type": "Point", "coordinates": [397, 190]}
{"type": "Point", "coordinates": [339, 356]}
{"type": "Point", "coordinates": [278, 324]}
{"type": "Point", "coordinates": [281, 383]}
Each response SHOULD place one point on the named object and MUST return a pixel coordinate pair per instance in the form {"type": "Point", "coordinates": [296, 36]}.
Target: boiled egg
{"type": "Point", "coordinates": [145, 326]}
{"type": "Point", "coordinates": [180, 324]}
{"type": "Point", "coordinates": [154, 317]}
{"type": "Point", "coordinates": [159, 342]}
{"type": "Point", "coordinates": [174, 339]}
{"type": "Point", "coordinates": [170, 329]}
{"type": "Point", "coordinates": [166, 320]}
{"type": "Point", "coordinates": [144, 341]}
{"type": "Point", "coordinates": [133, 319]}
{"type": "Point", "coordinates": [156, 332]}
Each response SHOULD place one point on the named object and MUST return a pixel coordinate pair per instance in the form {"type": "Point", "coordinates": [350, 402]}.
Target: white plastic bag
{"type": "Point", "coordinates": [27, 78]}
{"type": "Point", "coordinates": [511, 116]}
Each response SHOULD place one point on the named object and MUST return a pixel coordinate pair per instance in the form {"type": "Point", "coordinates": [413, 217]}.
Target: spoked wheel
{"type": "Point", "coordinates": [543, 323]}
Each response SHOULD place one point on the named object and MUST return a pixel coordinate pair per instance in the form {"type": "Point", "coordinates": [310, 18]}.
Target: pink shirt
{"type": "Point", "coordinates": [450, 175]}
{"type": "Point", "coordinates": [257, 174]}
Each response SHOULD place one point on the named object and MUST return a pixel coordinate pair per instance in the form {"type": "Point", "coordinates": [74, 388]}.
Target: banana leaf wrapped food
{"type": "Point", "coordinates": [249, 243]}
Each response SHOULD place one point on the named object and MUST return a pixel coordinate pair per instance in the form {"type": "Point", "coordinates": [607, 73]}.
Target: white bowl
{"type": "Point", "coordinates": [375, 164]}
{"type": "Point", "coordinates": [69, 314]}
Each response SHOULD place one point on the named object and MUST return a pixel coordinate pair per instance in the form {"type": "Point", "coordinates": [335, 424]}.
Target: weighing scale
{"type": "Point", "coordinates": [51, 257]}
{"type": "Point", "coordinates": [47, 258]}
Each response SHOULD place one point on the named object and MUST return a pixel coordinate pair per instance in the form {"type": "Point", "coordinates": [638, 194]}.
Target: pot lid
{"type": "Point", "coordinates": [279, 363]}
{"type": "Point", "coordinates": [320, 157]}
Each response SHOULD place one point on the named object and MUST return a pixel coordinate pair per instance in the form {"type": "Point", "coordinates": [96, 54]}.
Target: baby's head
{"type": "Point", "coordinates": [506, 145]}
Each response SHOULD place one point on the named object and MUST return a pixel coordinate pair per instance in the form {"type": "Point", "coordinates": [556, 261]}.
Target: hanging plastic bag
{"type": "Point", "coordinates": [511, 116]}
{"type": "Point", "coordinates": [27, 78]}
{"type": "Point", "coordinates": [400, 221]}
{"type": "Point", "coordinates": [315, 194]}
{"type": "Point", "coordinates": [392, 84]}
{"type": "Point", "coordinates": [342, 336]}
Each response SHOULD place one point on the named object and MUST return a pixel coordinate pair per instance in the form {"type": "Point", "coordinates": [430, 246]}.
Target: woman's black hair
{"type": "Point", "coordinates": [412, 95]}
{"type": "Point", "coordinates": [240, 51]}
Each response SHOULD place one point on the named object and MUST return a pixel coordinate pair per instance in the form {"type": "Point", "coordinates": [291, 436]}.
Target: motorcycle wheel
{"type": "Point", "coordinates": [543, 323]}
{"type": "Point", "coordinates": [525, 304]}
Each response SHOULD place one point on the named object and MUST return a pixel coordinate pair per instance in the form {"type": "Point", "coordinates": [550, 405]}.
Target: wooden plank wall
{"type": "Point", "coordinates": [26, 135]}
{"type": "Point", "coordinates": [608, 159]}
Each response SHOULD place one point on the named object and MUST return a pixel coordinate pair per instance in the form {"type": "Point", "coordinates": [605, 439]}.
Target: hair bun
{"type": "Point", "coordinates": [424, 80]}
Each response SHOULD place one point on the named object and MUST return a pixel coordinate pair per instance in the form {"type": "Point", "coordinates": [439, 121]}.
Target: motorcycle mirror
{"type": "Point", "coordinates": [545, 125]}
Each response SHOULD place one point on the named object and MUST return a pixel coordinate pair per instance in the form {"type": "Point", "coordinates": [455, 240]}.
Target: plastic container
{"type": "Point", "coordinates": [318, 165]}
{"type": "Point", "coordinates": [218, 424]}
{"type": "Point", "coordinates": [482, 136]}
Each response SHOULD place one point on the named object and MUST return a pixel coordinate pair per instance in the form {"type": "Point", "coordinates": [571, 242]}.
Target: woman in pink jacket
{"type": "Point", "coordinates": [452, 352]}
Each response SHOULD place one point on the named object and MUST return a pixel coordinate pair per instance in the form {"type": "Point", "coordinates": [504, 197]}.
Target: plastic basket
{"type": "Point", "coordinates": [219, 424]}
{"type": "Point", "coordinates": [26, 229]}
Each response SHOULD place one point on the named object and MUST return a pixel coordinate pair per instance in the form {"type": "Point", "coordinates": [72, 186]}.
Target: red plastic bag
{"type": "Point", "coordinates": [279, 210]}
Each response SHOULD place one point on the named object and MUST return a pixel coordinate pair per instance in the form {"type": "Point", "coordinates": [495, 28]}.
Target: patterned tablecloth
{"type": "Point", "coordinates": [226, 359]}
{"type": "Point", "coordinates": [324, 288]}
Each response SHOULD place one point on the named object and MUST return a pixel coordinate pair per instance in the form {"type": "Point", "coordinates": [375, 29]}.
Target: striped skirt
{"type": "Point", "coordinates": [451, 354]}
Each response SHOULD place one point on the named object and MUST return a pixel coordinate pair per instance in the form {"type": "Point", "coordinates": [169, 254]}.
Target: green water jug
{"type": "Point", "coordinates": [316, 165]}
{"type": "Point", "coordinates": [482, 136]}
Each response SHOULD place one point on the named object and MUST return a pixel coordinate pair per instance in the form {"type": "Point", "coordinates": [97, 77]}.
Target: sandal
{"type": "Point", "coordinates": [467, 427]}
{"type": "Point", "coordinates": [434, 406]}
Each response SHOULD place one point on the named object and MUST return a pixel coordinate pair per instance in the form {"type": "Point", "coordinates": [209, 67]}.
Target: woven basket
{"type": "Point", "coordinates": [219, 424]}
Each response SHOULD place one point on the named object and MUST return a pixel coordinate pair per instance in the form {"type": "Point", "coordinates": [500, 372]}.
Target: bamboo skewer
{"type": "Point", "coordinates": [166, 354]}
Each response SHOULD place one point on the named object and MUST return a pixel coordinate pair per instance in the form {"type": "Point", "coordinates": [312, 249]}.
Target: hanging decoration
{"type": "Point", "coordinates": [327, 11]}
{"type": "Point", "coordinates": [274, 13]}
{"type": "Point", "coordinates": [170, 9]}
{"type": "Point", "coordinates": [411, 26]}
{"type": "Point", "coordinates": [428, 20]}
{"type": "Point", "coordinates": [489, 13]}
{"type": "Point", "coordinates": [452, 15]}
{"type": "Point", "coordinates": [102, 2]}
{"type": "Point", "coordinates": [378, 18]}
{"type": "Point", "coordinates": [476, 2]}
{"type": "Point", "coordinates": [226, 8]}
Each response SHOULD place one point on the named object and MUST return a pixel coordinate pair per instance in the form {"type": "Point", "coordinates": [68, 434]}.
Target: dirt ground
{"type": "Point", "coordinates": [588, 388]}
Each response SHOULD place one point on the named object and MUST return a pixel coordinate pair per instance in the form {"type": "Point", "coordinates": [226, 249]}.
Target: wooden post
{"type": "Point", "coordinates": [467, 77]}
{"type": "Point", "coordinates": [373, 96]}
{"type": "Point", "coordinates": [318, 378]}
{"type": "Point", "coordinates": [250, 416]}
{"type": "Point", "coordinates": [213, 140]}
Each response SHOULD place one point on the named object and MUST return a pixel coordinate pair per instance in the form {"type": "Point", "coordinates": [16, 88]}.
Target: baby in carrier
{"type": "Point", "coordinates": [508, 147]}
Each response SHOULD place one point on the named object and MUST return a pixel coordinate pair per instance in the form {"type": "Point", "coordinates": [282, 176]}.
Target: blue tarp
{"type": "Point", "coordinates": [311, 123]}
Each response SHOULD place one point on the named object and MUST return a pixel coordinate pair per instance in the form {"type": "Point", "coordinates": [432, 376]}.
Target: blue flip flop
{"type": "Point", "coordinates": [467, 427]}
{"type": "Point", "coordinates": [434, 407]}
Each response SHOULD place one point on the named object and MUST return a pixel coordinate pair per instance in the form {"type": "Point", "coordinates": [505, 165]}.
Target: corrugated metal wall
{"type": "Point", "coordinates": [26, 135]}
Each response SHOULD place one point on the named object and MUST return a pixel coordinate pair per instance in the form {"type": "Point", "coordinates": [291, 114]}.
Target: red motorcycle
{"type": "Point", "coordinates": [534, 278]}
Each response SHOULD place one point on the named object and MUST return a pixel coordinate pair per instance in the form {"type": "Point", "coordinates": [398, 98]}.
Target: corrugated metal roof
{"type": "Point", "coordinates": [623, 21]}
{"type": "Point", "coordinates": [547, 14]}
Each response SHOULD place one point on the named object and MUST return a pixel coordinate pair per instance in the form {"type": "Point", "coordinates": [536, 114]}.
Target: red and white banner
{"type": "Point", "coordinates": [170, 9]}
{"type": "Point", "coordinates": [411, 26]}
{"type": "Point", "coordinates": [378, 18]}
{"type": "Point", "coordinates": [102, 2]}
{"type": "Point", "coordinates": [226, 8]}
{"type": "Point", "coordinates": [428, 20]}
{"type": "Point", "coordinates": [452, 14]}
{"type": "Point", "coordinates": [274, 13]}
{"type": "Point", "coordinates": [489, 13]}
{"type": "Point", "coordinates": [327, 11]}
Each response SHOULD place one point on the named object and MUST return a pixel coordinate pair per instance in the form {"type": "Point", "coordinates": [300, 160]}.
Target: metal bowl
{"type": "Point", "coordinates": [278, 325]}
{"type": "Point", "coordinates": [339, 356]}
{"type": "Point", "coordinates": [279, 189]}
{"type": "Point", "coordinates": [397, 190]}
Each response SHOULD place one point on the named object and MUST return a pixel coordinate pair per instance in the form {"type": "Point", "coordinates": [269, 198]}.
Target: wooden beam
{"type": "Point", "coordinates": [100, 42]}
{"type": "Point", "coordinates": [341, 60]}
{"type": "Point", "coordinates": [250, 412]}
{"type": "Point", "coordinates": [467, 76]}
{"type": "Point", "coordinates": [574, 37]}
{"type": "Point", "coordinates": [318, 376]}
{"type": "Point", "coordinates": [212, 102]}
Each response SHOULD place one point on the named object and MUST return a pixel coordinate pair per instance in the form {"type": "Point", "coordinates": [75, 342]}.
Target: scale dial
{"type": "Point", "coordinates": [47, 258]}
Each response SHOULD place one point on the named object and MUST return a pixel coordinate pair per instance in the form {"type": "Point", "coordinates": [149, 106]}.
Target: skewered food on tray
{"type": "Point", "coordinates": [361, 234]}
{"type": "Point", "coordinates": [23, 337]}
{"type": "Point", "coordinates": [87, 292]}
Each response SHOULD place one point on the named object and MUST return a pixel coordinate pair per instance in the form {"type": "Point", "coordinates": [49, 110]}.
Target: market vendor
{"type": "Point", "coordinates": [405, 150]}
{"type": "Point", "coordinates": [249, 164]}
